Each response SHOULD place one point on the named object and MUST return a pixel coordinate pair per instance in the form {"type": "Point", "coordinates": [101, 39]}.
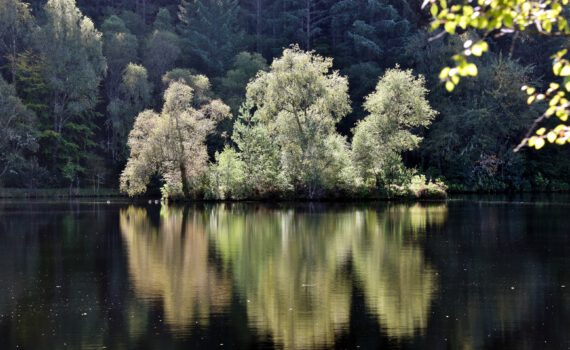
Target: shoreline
{"type": "Point", "coordinates": [64, 193]}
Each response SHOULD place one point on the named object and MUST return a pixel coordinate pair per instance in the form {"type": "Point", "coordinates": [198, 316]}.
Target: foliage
{"type": "Point", "coordinates": [120, 47]}
{"type": "Point", "coordinates": [419, 187]}
{"type": "Point", "coordinates": [396, 107]}
{"type": "Point", "coordinates": [68, 39]}
{"type": "Point", "coordinates": [368, 31]}
{"type": "Point", "coordinates": [163, 20]}
{"type": "Point", "coordinates": [227, 176]}
{"type": "Point", "coordinates": [210, 33]}
{"type": "Point", "coordinates": [480, 123]}
{"type": "Point", "coordinates": [161, 52]}
{"type": "Point", "coordinates": [299, 100]}
{"type": "Point", "coordinates": [135, 92]}
{"type": "Point", "coordinates": [72, 66]}
{"type": "Point", "coordinates": [87, 68]}
{"type": "Point", "coordinates": [16, 22]}
{"type": "Point", "coordinates": [172, 144]}
{"type": "Point", "coordinates": [232, 86]}
{"type": "Point", "coordinates": [545, 17]}
{"type": "Point", "coordinates": [261, 160]}
{"type": "Point", "coordinates": [198, 82]}
{"type": "Point", "coordinates": [17, 136]}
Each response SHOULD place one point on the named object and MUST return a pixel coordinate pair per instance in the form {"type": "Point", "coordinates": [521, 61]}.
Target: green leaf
{"type": "Point", "coordinates": [433, 10]}
{"type": "Point", "coordinates": [508, 20]}
{"type": "Point", "coordinates": [444, 73]}
{"type": "Point", "coordinates": [550, 111]}
{"type": "Point", "coordinates": [471, 69]}
{"type": "Point", "coordinates": [450, 27]}
{"type": "Point", "coordinates": [557, 68]}
{"type": "Point", "coordinates": [478, 48]}
{"type": "Point", "coordinates": [467, 10]}
{"type": "Point", "coordinates": [565, 71]}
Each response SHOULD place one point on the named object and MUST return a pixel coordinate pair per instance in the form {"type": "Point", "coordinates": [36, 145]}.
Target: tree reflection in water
{"type": "Point", "coordinates": [397, 282]}
{"type": "Point", "coordinates": [292, 267]}
{"type": "Point", "coordinates": [463, 275]}
{"type": "Point", "coordinates": [170, 263]}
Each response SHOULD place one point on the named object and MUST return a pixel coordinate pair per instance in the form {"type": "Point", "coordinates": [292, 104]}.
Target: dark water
{"type": "Point", "coordinates": [471, 273]}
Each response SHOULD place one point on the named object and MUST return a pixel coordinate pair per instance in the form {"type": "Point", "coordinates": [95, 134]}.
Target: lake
{"type": "Point", "coordinates": [485, 272]}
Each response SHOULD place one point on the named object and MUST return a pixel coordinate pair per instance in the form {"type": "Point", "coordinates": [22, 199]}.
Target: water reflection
{"type": "Point", "coordinates": [467, 274]}
{"type": "Point", "coordinates": [169, 263]}
{"type": "Point", "coordinates": [397, 281]}
{"type": "Point", "coordinates": [496, 286]}
{"type": "Point", "coordinates": [288, 268]}
{"type": "Point", "coordinates": [292, 268]}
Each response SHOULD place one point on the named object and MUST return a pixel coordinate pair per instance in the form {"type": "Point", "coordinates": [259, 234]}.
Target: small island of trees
{"type": "Point", "coordinates": [284, 142]}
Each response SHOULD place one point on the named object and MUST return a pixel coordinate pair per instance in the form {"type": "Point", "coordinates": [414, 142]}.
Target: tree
{"type": "Point", "coordinates": [172, 144]}
{"type": "Point", "coordinates": [15, 26]}
{"type": "Point", "coordinates": [120, 47]}
{"type": "Point", "coordinates": [135, 88]}
{"type": "Point", "coordinates": [68, 39]}
{"type": "Point", "coordinates": [255, 13]}
{"type": "Point", "coordinates": [396, 107]}
{"type": "Point", "coordinates": [17, 132]}
{"type": "Point", "coordinates": [367, 37]}
{"type": "Point", "coordinates": [227, 176]}
{"type": "Point", "coordinates": [498, 17]}
{"type": "Point", "coordinates": [163, 20]}
{"type": "Point", "coordinates": [299, 100]}
{"type": "Point", "coordinates": [198, 82]}
{"type": "Point", "coordinates": [210, 33]}
{"type": "Point", "coordinates": [367, 31]}
{"type": "Point", "coordinates": [232, 86]}
{"type": "Point", "coordinates": [162, 50]}
{"type": "Point", "coordinates": [362, 78]}
{"type": "Point", "coordinates": [135, 23]}
{"type": "Point", "coordinates": [309, 18]}
{"type": "Point", "coordinates": [135, 94]}
{"type": "Point", "coordinates": [480, 124]}
{"type": "Point", "coordinates": [270, 25]}
{"type": "Point", "coordinates": [73, 66]}
{"type": "Point", "coordinates": [261, 160]}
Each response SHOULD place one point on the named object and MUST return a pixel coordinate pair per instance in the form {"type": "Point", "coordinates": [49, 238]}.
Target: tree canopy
{"type": "Point", "coordinates": [172, 144]}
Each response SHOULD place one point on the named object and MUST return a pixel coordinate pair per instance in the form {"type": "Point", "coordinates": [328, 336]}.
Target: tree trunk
{"type": "Point", "coordinates": [181, 159]}
{"type": "Point", "coordinates": [58, 128]}
{"type": "Point", "coordinates": [185, 184]}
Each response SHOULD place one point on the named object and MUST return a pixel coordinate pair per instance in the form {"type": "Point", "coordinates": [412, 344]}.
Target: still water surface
{"type": "Point", "coordinates": [471, 273]}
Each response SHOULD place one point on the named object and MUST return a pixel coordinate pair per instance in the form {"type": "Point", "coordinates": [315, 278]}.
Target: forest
{"type": "Point", "coordinates": [231, 99]}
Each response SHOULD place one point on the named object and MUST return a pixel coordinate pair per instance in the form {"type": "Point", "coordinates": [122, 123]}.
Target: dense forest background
{"type": "Point", "coordinates": [74, 75]}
